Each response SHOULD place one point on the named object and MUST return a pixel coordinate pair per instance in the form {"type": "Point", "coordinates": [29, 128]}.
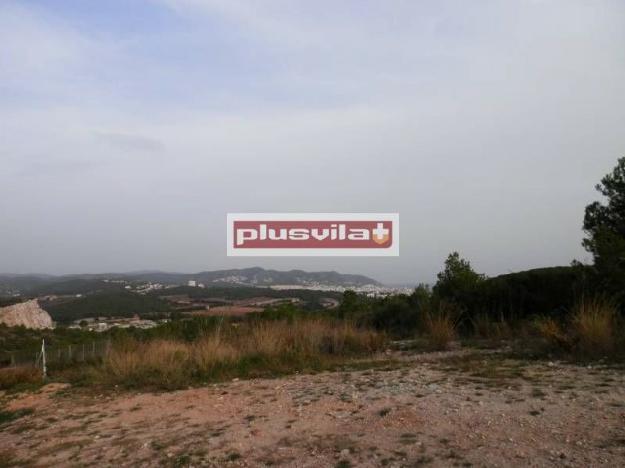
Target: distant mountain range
{"type": "Point", "coordinates": [73, 284]}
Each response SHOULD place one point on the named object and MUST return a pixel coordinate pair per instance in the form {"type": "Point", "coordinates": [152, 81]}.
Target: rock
{"type": "Point", "coordinates": [27, 314]}
{"type": "Point", "coordinates": [345, 453]}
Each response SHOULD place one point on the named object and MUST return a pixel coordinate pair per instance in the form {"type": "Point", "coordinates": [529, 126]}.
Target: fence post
{"type": "Point", "coordinates": [12, 359]}
{"type": "Point", "coordinates": [43, 357]}
{"type": "Point", "coordinates": [69, 353]}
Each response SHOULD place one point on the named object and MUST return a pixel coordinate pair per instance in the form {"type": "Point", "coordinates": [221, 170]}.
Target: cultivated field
{"type": "Point", "coordinates": [452, 408]}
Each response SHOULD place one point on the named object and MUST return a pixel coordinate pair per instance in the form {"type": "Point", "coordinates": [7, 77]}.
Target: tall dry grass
{"type": "Point", "coordinates": [590, 332]}
{"type": "Point", "coordinates": [249, 349]}
{"type": "Point", "coordinates": [593, 324]}
{"type": "Point", "coordinates": [487, 328]}
{"type": "Point", "coordinates": [441, 326]}
{"type": "Point", "coordinates": [12, 377]}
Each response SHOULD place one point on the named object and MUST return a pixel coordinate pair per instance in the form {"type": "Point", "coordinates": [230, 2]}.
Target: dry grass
{"type": "Point", "coordinates": [593, 324]}
{"type": "Point", "coordinates": [553, 334]}
{"type": "Point", "coordinates": [441, 326]}
{"type": "Point", "coordinates": [161, 361]}
{"type": "Point", "coordinates": [213, 351]}
{"type": "Point", "coordinates": [590, 333]}
{"type": "Point", "coordinates": [23, 375]}
{"type": "Point", "coordinates": [249, 349]}
{"type": "Point", "coordinates": [485, 327]}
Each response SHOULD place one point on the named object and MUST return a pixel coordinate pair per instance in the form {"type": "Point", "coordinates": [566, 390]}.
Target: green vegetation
{"type": "Point", "coordinates": [74, 286]}
{"type": "Point", "coordinates": [310, 298]}
{"type": "Point", "coordinates": [604, 224]}
{"type": "Point", "coordinates": [14, 339]}
{"type": "Point", "coordinates": [8, 416]}
{"type": "Point", "coordinates": [7, 301]}
{"type": "Point", "coordinates": [116, 303]}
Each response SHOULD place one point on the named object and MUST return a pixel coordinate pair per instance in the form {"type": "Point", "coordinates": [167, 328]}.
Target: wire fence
{"type": "Point", "coordinates": [57, 355]}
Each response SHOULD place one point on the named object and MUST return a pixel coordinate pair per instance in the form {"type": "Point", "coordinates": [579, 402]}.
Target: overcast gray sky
{"type": "Point", "coordinates": [129, 129]}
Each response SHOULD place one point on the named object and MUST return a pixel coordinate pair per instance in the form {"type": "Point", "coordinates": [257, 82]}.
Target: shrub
{"type": "Point", "coordinates": [397, 315]}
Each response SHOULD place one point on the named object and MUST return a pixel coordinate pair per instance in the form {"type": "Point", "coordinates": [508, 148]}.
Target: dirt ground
{"type": "Point", "coordinates": [468, 408]}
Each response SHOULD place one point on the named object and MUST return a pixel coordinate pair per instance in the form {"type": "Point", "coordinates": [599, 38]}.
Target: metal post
{"type": "Point", "coordinates": [43, 357]}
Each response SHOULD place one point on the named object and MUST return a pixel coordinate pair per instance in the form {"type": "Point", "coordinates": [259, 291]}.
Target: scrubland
{"type": "Point", "coordinates": [306, 390]}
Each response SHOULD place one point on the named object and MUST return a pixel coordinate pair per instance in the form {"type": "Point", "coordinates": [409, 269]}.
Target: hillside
{"type": "Point", "coordinates": [258, 277]}
{"type": "Point", "coordinates": [110, 304]}
{"type": "Point", "coordinates": [36, 285]}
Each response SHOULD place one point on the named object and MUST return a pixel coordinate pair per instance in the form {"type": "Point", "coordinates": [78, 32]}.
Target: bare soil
{"type": "Point", "coordinates": [468, 408]}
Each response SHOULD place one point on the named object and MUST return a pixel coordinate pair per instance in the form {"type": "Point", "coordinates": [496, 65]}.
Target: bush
{"type": "Point", "coordinates": [398, 315]}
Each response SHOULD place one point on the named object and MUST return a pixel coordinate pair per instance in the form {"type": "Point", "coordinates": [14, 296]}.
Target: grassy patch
{"type": "Point", "coordinates": [591, 333]}
{"type": "Point", "coordinates": [250, 350]}
{"type": "Point", "coordinates": [20, 378]}
{"type": "Point", "coordinates": [9, 416]}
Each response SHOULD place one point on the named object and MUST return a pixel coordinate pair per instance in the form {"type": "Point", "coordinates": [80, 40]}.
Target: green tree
{"type": "Point", "coordinates": [457, 282]}
{"type": "Point", "coordinates": [604, 225]}
{"type": "Point", "coordinates": [421, 296]}
{"type": "Point", "coordinates": [350, 304]}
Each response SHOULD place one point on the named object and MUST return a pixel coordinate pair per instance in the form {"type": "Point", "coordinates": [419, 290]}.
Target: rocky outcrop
{"type": "Point", "coordinates": [27, 314]}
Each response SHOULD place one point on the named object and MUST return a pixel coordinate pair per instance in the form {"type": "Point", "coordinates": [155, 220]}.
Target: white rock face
{"type": "Point", "coordinates": [27, 314]}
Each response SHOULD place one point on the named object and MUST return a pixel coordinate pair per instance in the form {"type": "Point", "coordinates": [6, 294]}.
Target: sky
{"type": "Point", "coordinates": [129, 128]}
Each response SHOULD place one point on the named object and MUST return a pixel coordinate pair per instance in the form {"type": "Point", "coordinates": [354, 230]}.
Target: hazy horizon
{"type": "Point", "coordinates": [130, 129]}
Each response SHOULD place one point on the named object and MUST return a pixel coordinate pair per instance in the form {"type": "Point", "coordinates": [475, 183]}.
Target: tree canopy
{"type": "Point", "coordinates": [604, 224]}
